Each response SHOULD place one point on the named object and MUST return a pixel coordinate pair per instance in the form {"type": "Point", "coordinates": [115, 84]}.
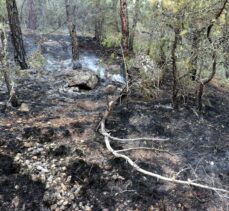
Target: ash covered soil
{"type": "Point", "coordinates": [53, 158]}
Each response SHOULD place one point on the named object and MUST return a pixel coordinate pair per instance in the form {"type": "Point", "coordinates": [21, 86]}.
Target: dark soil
{"type": "Point", "coordinates": [18, 192]}
{"type": "Point", "coordinates": [58, 129]}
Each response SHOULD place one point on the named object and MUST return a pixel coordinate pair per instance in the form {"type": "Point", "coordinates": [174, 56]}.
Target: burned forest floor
{"type": "Point", "coordinates": [52, 157]}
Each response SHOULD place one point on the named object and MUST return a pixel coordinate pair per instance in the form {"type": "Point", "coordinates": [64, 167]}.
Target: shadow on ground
{"type": "Point", "coordinates": [18, 192]}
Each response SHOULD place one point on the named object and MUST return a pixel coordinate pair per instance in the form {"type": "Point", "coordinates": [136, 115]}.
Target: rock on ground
{"type": "Point", "coordinates": [84, 79]}
{"type": "Point", "coordinates": [114, 69]}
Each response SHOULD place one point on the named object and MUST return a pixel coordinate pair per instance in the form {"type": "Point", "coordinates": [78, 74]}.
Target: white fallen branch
{"type": "Point", "coordinates": [143, 171]}
{"type": "Point", "coordinates": [143, 148]}
{"type": "Point", "coordinates": [135, 139]}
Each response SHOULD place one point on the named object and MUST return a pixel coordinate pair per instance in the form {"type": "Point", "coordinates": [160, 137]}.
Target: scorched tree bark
{"type": "Point", "coordinates": [125, 26]}
{"type": "Point", "coordinates": [134, 25]}
{"type": "Point", "coordinates": [73, 35]}
{"type": "Point", "coordinates": [5, 69]}
{"type": "Point", "coordinates": [16, 33]}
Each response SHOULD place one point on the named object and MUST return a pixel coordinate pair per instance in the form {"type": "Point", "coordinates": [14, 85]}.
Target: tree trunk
{"type": "Point", "coordinates": [21, 13]}
{"type": "Point", "coordinates": [194, 56]}
{"type": "Point", "coordinates": [42, 9]}
{"type": "Point", "coordinates": [205, 82]}
{"type": "Point", "coordinates": [32, 15]}
{"type": "Point", "coordinates": [150, 43]}
{"type": "Point", "coordinates": [135, 21]}
{"type": "Point", "coordinates": [3, 60]}
{"type": "Point", "coordinates": [99, 19]}
{"type": "Point", "coordinates": [114, 10]}
{"type": "Point", "coordinates": [125, 26]}
{"type": "Point", "coordinates": [72, 32]}
{"type": "Point", "coordinates": [16, 33]}
{"type": "Point", "coordinates": [174, 64]}
{"type": "Point", "coordinates": [226, 44]}
{"type": "Point", "coordinates": [98, 29]}
{"type": "Point", "coordinates": [211, 76]}
{"type": "Point", "coordinates": [200, 96]}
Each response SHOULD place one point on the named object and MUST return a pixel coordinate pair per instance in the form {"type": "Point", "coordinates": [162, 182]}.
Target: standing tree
{"type": "Point", "coordinates": [194, 54]}
{"type": "Point", "coordinates": [72, 32]}
{"type": "Point", "coordinates": [174, 67]}
{"type": "Point", "coordinates": [42, 10]}
{"type": "Point", "coordinates": [32, 15]}
{"type": "Point", "coordinates": [134, 25]}
{"type": "Point", "coordinates": [16, 33]}
{"type": "Point", "coordinates": [114, 11]}
{"type": "Point", "coordinates": [5, 68]}
{"type": "Point", "coordinates": [99, 19]}
{"type": "Point", "coordinates": [204, 82]}
{"type": "Point", "coordinates": [226, 43]}
{"type": "Point", "coordinates": [125, 26]}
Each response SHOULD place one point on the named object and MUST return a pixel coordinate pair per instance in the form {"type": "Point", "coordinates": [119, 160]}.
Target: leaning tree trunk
{"type": "Point", "coordinates": [125, 26]}
{"type": "Point", "coordinates": [16, 33]}
{"type": "Point", "coordinates": [135, 21]}
{"type": "Point", "coordinates": [4, 69]}
{"type": "Point", "coordinates": [204, 82]}
{"type": "Point", "coordinates": [72, 32]}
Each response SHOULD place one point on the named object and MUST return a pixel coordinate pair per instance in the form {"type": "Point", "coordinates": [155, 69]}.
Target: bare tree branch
{"type": "Point", "coordinates": [143, 171]}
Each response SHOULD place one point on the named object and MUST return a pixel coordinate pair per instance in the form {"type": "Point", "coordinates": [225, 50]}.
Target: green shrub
{"type": "Point", "coordinates": [112, 41]}
{"type": "Point", "coordinates": [147, 76]}
{"type": "Point", "coordinates": [148, 85]}
{"type": "Point", "coordinates": [1, 76]}
{"type": "Point", "coordinates": [37, 60]}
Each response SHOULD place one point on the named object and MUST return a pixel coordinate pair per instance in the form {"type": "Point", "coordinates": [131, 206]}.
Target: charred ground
{"type": "Point", "coordinates": [52, 157]}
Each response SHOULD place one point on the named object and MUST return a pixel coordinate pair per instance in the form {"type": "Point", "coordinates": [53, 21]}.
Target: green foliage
{"type": "Point", "coordinates": [148, 86]}
{"type": "Point", "coordinates": [111, 59]}
{"type": "Point", "coordinates": [158, 51]}
{"type": "Point", "coordinates": [2, 10]}
{"type": "Point", "coordinates": [147, 76]}
{"type": "Point", "coordinates": [1, 76]}
{"type": "Point", "coordinates": [140, 45]}
{"type": "Point", "coordinates": [156, 18]}
{"type": "Point", "coordinates": [112, 40]}
{"type": "Point", "coordinates": [37, 60]}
